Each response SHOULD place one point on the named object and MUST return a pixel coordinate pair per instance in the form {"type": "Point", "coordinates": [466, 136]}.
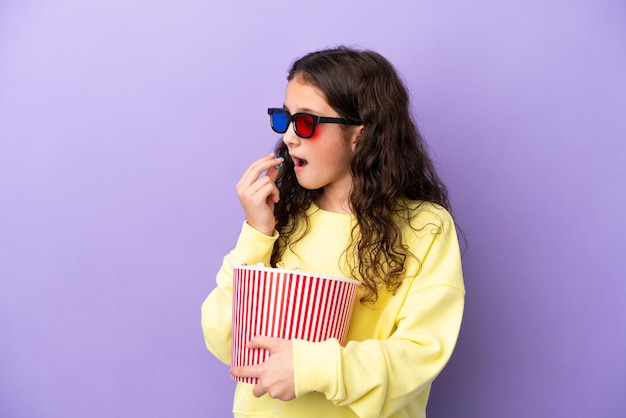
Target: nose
{"type": "Point", "coordinates": [290, 138]}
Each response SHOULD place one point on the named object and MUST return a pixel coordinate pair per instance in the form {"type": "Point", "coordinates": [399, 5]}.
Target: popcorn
{"type": "Point", "coordinates": [279, 265]}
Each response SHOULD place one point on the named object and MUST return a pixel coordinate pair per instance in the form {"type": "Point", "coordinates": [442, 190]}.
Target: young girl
{"type": "Point", "coordinates": [349, 192]}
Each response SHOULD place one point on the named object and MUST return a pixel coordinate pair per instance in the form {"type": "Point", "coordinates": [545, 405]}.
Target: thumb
{"type": "Point", "coordinates": [273, 172]}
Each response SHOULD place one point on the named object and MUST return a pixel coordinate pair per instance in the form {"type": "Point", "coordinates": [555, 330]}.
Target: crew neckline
{"type": "Point", "coordinates": [315, 208]}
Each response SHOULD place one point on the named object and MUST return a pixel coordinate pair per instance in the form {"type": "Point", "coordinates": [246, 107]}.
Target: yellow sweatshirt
{"type": "Point", "coordinates": [395, 347]}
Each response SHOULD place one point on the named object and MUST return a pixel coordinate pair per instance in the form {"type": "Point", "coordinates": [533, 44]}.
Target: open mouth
{"type": "Point", "coordinates": [299, 162]}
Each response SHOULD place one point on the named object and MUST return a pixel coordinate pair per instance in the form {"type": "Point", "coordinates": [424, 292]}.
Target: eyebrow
{"type": "Point", "coordinates": [303, 110]}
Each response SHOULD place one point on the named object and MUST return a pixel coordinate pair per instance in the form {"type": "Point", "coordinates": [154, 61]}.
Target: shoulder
{"type": "Point", "coordinates": [430, 235]}
{"type": "Point", "coordinates": [422, 215]}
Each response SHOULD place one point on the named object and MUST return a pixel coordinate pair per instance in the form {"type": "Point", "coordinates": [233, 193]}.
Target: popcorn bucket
{"type": "Point", "coordinates": [288, 304]}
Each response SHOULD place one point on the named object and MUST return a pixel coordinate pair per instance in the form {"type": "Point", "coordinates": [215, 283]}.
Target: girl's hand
{"type": "Point", "coordinates": [276, 373]}
{"type": "Point", "coordinates": [258, 194]}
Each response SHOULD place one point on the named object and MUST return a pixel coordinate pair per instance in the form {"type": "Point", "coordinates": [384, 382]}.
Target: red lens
{"type": "Point", "coordinates": [304, 124]}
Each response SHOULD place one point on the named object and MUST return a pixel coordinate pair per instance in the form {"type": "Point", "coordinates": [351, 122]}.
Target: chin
{"type": "Point", "coordinates": [305, 186]}
{"type": "Point", "coordinates": [308, 184]}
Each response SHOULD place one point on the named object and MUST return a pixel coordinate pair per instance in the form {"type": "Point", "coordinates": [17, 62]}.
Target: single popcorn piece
{"type": "Point", "coordinates": [283, 266]}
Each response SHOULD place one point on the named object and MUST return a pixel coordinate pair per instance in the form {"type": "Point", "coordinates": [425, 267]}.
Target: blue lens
{"type": "Point", "coordinates": [280, 121]}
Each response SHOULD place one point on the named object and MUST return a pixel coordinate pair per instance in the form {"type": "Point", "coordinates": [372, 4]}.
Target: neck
{"type": "Point", "coordinates": [337, 205]}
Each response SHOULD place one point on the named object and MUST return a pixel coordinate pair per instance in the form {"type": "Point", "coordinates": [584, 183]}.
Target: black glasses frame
{"type": "Point", "coordinates": [316, 119]}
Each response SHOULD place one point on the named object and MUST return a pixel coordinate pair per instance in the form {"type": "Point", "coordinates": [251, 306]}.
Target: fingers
{"type": "Point", "coordinates": [254, 187]}
{"type": "Point", "coordinates": [261, 341]}
{"type": "Point", "coordinates": [250, 371]}
{"type": "Point", "coordinates": [259, 390]}
{"type": "Point", "coordinates": [245, 371]}
{"type": "Point", "coordinates": [254, 171]}
{"type": "Point", "coordinates": [258, 194]}
{"type": "Point", "coordinates": [273, 171]}
{"type": "Point", "coordinates": [276, 376]}
{"type": "Point", "coordinates": [259, 191]}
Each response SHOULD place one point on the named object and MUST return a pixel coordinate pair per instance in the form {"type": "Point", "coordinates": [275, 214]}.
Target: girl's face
{"type": "Point", "coordinates": [322, 161]}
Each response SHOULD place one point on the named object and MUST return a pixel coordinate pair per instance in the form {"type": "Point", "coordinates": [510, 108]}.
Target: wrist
{"type": "Point", "coordinates": [267, 231]}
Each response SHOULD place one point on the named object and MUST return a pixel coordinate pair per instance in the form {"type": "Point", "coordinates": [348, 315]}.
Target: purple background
{"type": "Point", "coordinates": [125, 125]}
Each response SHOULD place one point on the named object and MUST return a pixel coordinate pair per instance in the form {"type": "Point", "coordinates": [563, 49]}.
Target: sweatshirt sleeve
{"type": "Point", "coordinates": [378, 376]}
{"type": "Point", "coordinates": [216, 313]}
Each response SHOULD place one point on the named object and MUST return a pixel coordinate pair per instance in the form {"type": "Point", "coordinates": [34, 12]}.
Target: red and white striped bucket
{"type": "Point", "coordinates": [288, 304]}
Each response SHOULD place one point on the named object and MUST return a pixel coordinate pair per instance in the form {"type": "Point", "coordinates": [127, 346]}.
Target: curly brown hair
{"type": "Point", "coordinates": [390, 165]}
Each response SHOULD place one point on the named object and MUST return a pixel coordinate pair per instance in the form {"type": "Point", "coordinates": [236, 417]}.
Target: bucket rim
{"type": "Point", "coordinates": [296, 272]}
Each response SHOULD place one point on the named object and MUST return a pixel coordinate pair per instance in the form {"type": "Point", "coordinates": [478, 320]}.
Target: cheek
{"type": "Point", "coordinates": [319, 128]}
{"type": "Point", "coordinates": [339, 157]}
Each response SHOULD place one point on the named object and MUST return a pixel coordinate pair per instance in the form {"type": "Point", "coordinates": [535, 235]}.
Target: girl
{"type": "Point", "coordinates": [349, 192]}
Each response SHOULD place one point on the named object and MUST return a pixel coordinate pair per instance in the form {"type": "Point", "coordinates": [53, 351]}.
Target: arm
{"type": "Point", "coordinates": [378, 376]}
{"type": "Point", "coordinates": [252, 247]}
{"type": "Point", "coordinates": [257, 195]}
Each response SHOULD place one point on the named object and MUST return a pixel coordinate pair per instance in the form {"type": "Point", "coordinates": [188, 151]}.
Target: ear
{"type": "Point", "coordinates": [356, 136]}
